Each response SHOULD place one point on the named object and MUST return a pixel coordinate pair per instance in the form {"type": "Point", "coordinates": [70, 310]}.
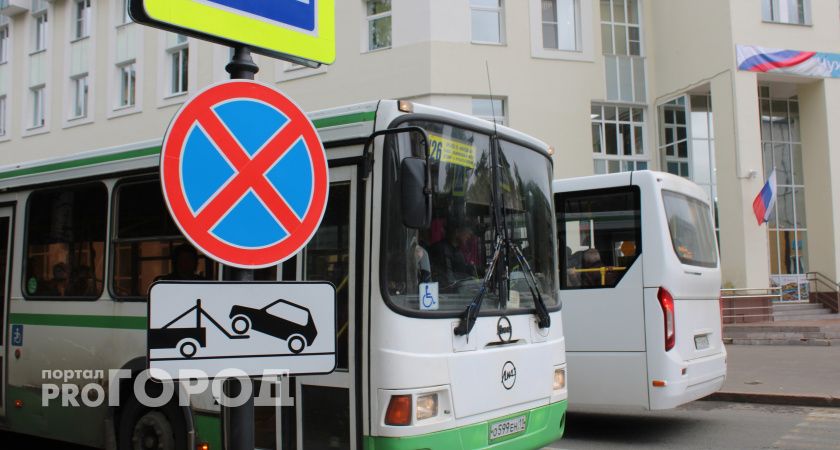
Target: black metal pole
{"type": "Point", "coordinates": [239, 421]}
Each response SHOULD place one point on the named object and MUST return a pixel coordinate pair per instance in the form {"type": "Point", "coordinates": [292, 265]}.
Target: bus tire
{"type": "Point", "coordinates": [296, 343]}
{"type": "Point", "coordinates": [240, 324]}
{"type": "Point", "coordinates": [144, 428]}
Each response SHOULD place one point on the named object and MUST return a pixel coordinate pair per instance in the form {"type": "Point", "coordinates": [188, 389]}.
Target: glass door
{"type": "Point", "coordinates": [324, 409]}
{"type": "Point", "coordinates": [15, 333]}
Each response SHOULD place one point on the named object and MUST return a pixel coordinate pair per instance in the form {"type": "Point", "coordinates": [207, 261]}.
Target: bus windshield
{"type": "Point", "coordinates": [692, 234]}
{"type": "Point", "coordinates": [451, 257]}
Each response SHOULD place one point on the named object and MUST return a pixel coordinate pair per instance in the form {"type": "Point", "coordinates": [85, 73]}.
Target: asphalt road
{"type": "Point", "coordinates": [704, 425]}
{"type": "Point", "coordinates": [698, 425]}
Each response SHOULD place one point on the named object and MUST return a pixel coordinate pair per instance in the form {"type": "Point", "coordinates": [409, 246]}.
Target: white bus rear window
{"type": "Point", "coordinates": [692, 233]}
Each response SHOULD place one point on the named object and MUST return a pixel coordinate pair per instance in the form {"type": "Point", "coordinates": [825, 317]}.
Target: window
{"type": "Point", "coordinates": [65, 242]}
{"type": "Point", "coordinates": [125, 17]}
{"type": "Point", "coordinates": [40, 38]}
{"type": "Point", "coordinates": [560, 24]}
{"type": "Point", "coordinates": [492, 110]}
{"type": "Point", "coordinates": [675, 137]}
{"type": "Point", "coordinates": [37, 97]}
{"type": "Point", "coordinates": [692, 233]}
{"type": "Point", "coordinates": [452, 255]}
{"type": "Point", "coordinates": [147, 245]}
{"type": "Point", "coordinates": [378, 24]}
{"type": "Point", "coordinates": [3, 116]}
{"type": "Point", "coordinates": [622, 47]}
{"type": "Point", "coordinates": [687, 142]}
{"type": "Point", "coordinates": [178, 54]}
{"type": "Point", "coordinates": [600, 236]}
{"type": "Point", "coordinates": [782, 152]}
{"type": "Point", "coordinates": [82, 19]}
{"type": "Point", "coordinates": [80, 97]}
{"type": "Point", "coordinates": [4, 44]}
{"type": "Point", "coordinates": [487, 22]}
{"type": "Point", "coordinates": [786, 11]}
{"type": "Point", "coordinates": [128, 84]}
{"type": "Point", "coordinates": [618, 138]}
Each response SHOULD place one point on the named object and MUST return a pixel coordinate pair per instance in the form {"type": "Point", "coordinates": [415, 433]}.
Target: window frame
{"type": "Point", "coordinates": [113, 239]}
{"type": "Point", "coordinates": [499, 11]}
{"type": "Point", "coordinates": [369, 21]}
{"type": "Point", "coordinates": [556, 23]}
{"type": "Point", "coordinates": [499, 119]}
{"type": "Point", "coordinates": [773, 16]}
{"type": "Point", "coordinates": [81, 20]}
{"type": "Point", "coordinates": [4, 110]}
{"type": "Point", "coordinates": [5, 35]}
{"type": "Point", "coordinates": [178, 76]}
{"type": "Point", "coordinates": [560, 198]}
{"type": "Point", "coordinates": [38, 105]}
{"type": "Point", "coordinates": [584, 34]}
{"type": "Point", "coordinates": [40, 31]}
{"type": "Point", "coordinates": [635, 158]}
{"type": "Point", "coordinates": [121, 68]}
{"type": "Point", "coordinates": [25, 252]}
{"type": "Point", "coordinates": [75, 80]}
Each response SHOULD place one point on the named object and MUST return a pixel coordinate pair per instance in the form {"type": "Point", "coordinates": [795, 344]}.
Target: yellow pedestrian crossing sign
{"type": "Point", "coordinates": [296, 30]}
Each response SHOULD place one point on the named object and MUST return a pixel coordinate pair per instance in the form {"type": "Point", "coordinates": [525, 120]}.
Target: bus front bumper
{"type": "Point", "coordinates": [544, 426]}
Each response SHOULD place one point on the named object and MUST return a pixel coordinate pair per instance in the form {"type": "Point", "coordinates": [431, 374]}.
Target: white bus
{"type": "Point", "coordinates": [82, 238]}
{"type": "Point", "coordinates": [640, 284]}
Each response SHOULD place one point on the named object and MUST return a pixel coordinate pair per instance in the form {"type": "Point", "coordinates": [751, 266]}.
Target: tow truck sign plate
{"type": "Point", "coordinates": [216, 327]}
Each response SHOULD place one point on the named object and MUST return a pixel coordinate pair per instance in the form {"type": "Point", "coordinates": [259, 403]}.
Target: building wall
{"type": "Point", "coordinates": [688, 47]}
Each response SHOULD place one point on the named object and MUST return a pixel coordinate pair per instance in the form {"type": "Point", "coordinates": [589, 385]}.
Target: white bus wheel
{"type": "Point", "coordinates": [188, 348]}
{"type": "Point", "coordinates": [240, 324]}
{"type": "Point", "coordinates": [296, 343]}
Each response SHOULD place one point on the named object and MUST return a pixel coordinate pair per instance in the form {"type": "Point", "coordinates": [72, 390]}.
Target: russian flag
{"type": "Point", "coordinates": [766, 200]}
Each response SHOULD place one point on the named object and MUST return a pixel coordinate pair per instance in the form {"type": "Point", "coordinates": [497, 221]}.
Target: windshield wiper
{"type": "Point", "coordinates": [543, 319]}
{"type": "Point", "coordinates": [469, 316]}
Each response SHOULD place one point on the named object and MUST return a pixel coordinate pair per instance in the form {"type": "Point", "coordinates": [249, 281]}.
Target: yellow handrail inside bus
{"type": "Point", "coordinates": [602, 270]}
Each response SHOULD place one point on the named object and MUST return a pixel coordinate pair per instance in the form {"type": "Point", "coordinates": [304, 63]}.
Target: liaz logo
{"type": "Point", "coordinates": [508, 375]}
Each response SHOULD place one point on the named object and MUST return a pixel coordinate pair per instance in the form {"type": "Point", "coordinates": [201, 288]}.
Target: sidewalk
{"type": "Point", "coordinates": [789, 375]}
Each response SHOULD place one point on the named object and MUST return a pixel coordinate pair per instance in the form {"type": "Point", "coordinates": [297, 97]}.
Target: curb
{"type": "Point", "coordinates": [776, 399]}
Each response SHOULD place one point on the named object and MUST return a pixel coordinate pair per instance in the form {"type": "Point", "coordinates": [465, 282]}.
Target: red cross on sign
{"type": "Point", "coordinates": [244, 174]}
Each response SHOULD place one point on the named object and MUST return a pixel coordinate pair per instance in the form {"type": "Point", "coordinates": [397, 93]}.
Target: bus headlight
{"type": "Point", "coordinates": [559, 378]}
{"type": "Point", "coordinates": [426, 407]}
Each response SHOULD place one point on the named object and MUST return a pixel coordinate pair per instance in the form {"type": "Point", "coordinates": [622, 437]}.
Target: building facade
{"type": "Point", "coordinates": [613, 85]}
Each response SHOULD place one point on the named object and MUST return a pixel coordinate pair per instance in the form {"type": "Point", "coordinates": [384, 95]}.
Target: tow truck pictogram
{"type": "Point", "coordinates": [187, 340]}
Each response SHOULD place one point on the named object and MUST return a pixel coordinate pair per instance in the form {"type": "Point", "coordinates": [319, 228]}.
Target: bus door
{"type": "Point", "coordinates": [325, 404]}
{"type": "Point", "coordinates": [15, 334]}
{"type": "Point", "coordinates": [602, 282]}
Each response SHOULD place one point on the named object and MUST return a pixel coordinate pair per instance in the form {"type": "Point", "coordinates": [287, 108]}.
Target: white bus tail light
{"type": "Point", "coordinates": [427, 406]}
{"type": "Point", "coordinates": [399, 411]}
{"type": "Point", "coordinates": [559, 378]}
{"type": "Point", "coordinates": [666, 301]}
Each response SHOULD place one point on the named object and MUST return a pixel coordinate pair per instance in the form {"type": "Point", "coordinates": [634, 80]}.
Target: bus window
{"type": "Point", "coordinates": [65, 246]}
{"type": "Point", "coordinates": [692, 234]}
{"type": "Point", "coordinates": [147, 245]}
{"type": "Point", "coordinates": [600, 236]}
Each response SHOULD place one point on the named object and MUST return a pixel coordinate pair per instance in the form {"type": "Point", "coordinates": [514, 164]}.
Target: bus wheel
{"type": "Point", "coordinates": [296, 343]}
{"type": "Point", "coordinates": [188, 348]}
{"type": "Point", "coordinates": [240, 324]}
{"type": "Point", "coordinates": [142, 428]}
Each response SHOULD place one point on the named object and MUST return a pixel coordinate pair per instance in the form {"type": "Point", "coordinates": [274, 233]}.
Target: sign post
{"type": "Point", "coordinates": [245, 177]}
{"type": "Point", "coordinates": [238, 422]}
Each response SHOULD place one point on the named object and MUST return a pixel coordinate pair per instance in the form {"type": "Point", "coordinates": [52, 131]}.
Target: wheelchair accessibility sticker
{"type": "Point", "coordinates": [429, 297]}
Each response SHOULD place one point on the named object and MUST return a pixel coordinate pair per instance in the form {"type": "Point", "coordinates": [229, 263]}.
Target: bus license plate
{"type": "Point", "coordinates": [507, 427]}
{"type": "Point", "coordinates": [701, 342]}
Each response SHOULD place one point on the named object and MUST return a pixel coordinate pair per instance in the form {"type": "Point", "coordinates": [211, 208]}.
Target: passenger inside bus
{"type": "Point", "coordinates": [449, 256]}
{"type": "Point", "coordinates": [184, 264]}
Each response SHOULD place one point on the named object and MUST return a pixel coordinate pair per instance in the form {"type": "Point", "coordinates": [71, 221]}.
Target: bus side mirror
{"type": "Point", "coordinates": [415, 194]}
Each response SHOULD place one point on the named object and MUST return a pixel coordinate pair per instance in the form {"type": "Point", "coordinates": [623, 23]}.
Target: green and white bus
{"type": "Point", "coordinates": [434, 349]}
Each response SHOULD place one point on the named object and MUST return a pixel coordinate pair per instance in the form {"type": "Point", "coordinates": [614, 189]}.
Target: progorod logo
{"type": "Point", "coordinates": [508, 375]}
